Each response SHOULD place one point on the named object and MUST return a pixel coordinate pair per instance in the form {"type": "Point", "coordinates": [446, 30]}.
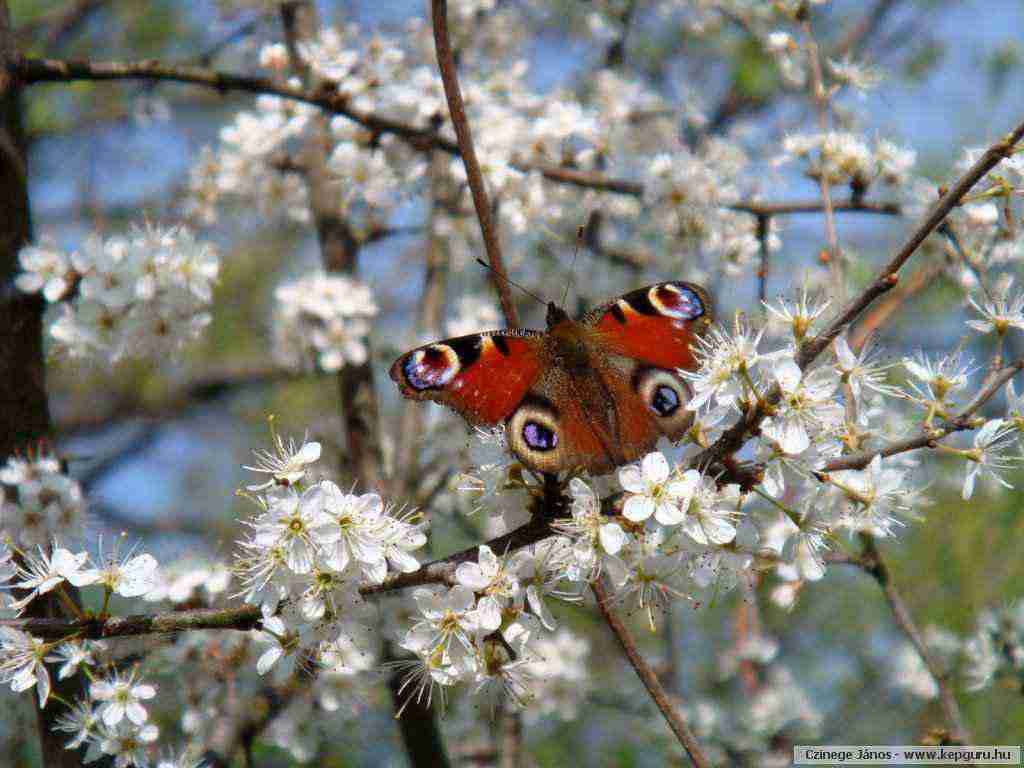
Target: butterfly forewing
{"type": "Point", "coordinates": [483, 376]}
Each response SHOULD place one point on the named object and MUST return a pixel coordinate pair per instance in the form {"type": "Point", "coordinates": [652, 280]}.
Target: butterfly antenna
{"type": "Point", "coordinates": [511, 282]}
{"type": "Point", "coordinates": [572, 266]}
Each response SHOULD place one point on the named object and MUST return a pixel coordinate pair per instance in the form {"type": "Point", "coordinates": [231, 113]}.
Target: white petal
{"type": "Point", "coordinates": [489, 613]}
{"type": "Point", "coordinates": [631, 479]}
{"type": "Point", "coordinates": [612, 537]}
{"type": "Point", "coordinates": [113, 712]}
{"type": "Point", "coordinates": [309, 453]}
{"type": "Point", "coordinates": [268, 659]}
{"type": "Point", "coordinates": [489, 563]}
{"type": "Point", "coordinates": [638, 508]}
{"type": "Point", "coordinates": [101, 690]}
{"type": "Point", "coordinates": [669, 514]}
{"type": "Point", "coordinates": [788, 374]}
{"type": "Point", "coordinates": [137, 713]}
{"type": "Point", "coordinates": [403, 561]}
{"type": "Point", "coordinates": [470, 575]}
{"type": "Point", "coordinates": [968, 490]}
{"type": "Point", "coordinates": [43, 685]}
{"type": "Point", "coordinates": [655, 468]}
{"type": "Point", "coordinates": [718, 530]}
{"type": "Point", "coordinates": [144, 691]}
{"type": "Point", "coordinates": [460, 599]}
{"type": "Point", "coordinates": [540, 608]}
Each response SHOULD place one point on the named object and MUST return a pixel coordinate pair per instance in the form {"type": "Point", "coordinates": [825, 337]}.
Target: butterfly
{"type": "Point", "coordinates": [588, 394]}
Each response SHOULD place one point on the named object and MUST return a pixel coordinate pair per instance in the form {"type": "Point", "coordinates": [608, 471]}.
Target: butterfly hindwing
{"type": "Point", "coordinates": [483, 376]}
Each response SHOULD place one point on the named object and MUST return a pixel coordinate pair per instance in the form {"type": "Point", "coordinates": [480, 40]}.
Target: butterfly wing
{"type": "Point", "coordinates": [656, 325]}
{"type": "Point", "coordinates": [591, 394]}
{"type": "Point", "coordinates": [482, 377]}
{"type": "Point", "coordinates": [641, 341]}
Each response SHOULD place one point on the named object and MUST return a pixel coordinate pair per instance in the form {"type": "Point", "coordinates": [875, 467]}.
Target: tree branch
{"type": "Point", "coordinates": [30, 71]}
{"type": "Point", "coordinates": [960, 422]}
{"type": "Point", "coordinates": [872, 563]}
{"type": "Point", "coordinates": [734, 437]}
{"type": "Point", "coordinates": [441, 571]}
{"type": "Point", "coordinates": [649, 679]}
{"type": "Point", "coordinates": [450, 79]}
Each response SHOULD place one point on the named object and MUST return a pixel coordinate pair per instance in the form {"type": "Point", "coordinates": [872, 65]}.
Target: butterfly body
{"type": "Point", "coordinates": [591, 394]}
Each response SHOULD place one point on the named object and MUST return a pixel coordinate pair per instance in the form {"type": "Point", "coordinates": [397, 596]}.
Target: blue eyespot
{"type": "Point", "coordinates": [431, 368]}
{"type": "Point", "coordinates": [665, 401]}
{"type": "Point", "coordinates": [677, 301]}
{"type": "Point", "coordinates": [538, 437]}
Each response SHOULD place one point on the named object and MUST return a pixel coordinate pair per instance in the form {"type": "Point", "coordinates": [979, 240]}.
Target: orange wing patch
{"type": "Point", "coordinates": [658, 340]}
{"type": "Point", "coordinates": [482, 377]}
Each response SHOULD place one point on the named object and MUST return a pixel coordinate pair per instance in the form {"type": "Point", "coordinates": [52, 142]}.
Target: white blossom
{"type": "Point", "coordinates": [287, 465]}
{"type": "Point", "coordinates": [43, 572]}
{"type": "Point", "coordinates": [21, 663]}
{"type": "Point", "coordinates": [121, 696]}
{"type": "Point", "coordinates": [988, 458]}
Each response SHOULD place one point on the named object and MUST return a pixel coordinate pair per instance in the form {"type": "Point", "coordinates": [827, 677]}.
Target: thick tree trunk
{"type": "Point", "coordinates": [24, 412]}
{"type": "Point", "coordinates": [24, 416]}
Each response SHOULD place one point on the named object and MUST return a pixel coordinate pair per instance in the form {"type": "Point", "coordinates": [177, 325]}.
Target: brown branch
{"type": "Point", "coordinates": [649, 679]}
{"type": "Point", "coordinates": [872, 563]}
{"type": "Point", "coordinates": [60, 23]}
{"type": "Point", "coordinates": [962, 421]}
{"type": "Point", "coordinates": [510, 724]}
{"type": "Point", "coordinates": [244, 618]}
{"type": "Point", "coordinates": [763, 224]}
{"type": "Point", "coordinates": [339, 253]}
{"type": "Point", "coordinates": [734, 437]}
{"type": "Point", "coordinates": [820, 97]}
{"type": "Point", "coordinates": [24, 406]}
{"type": "Point", "coordinates": [450, 79]}
{"type": "Point", "coordinates": [96, 628]}
{"type": "Point", "coordinates": [32, 71]}
{"type": "Point", "coordinates": [863, 29]}
{"type": "Point", "coordinates": [204, 388]}
{"type": "Point", "coordinates": [816, 206]}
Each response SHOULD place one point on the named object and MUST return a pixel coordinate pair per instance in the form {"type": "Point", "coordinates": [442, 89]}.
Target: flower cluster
{"type": "Point", "coordinates": [845, 158]}
{"type": "Point", "coordinates": [309, 551]}
{"type": "Point", "coordinates": [324, 319]}
{"type": "Point", "coordinates": [39, 501]}
{"type": "Point", "coordinates": [138, 295]}
{"type": "Point", "coordinates": [488, 629]}
{"type": "Point", "coordinates": [112, 718]}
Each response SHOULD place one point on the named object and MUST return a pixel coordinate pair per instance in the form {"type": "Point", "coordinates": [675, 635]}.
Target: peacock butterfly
{"type": "Point", "coordinates": [590, 394]}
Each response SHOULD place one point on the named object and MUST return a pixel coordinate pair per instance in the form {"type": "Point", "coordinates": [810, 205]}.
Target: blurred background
{"type": "Point", "coordinates": [159, 446]}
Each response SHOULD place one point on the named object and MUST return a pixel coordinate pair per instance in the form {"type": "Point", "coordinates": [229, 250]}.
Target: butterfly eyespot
{"type": "Point", "coordinates": [665, 401]}
{"type": "Point", "coordinates": [539, 437]}
{"type": "Point", "coordinates": [534, 435]}
{"type": "Point", "coordinates": [431, 367]}
{"type": "Point", "coordinates": [676, 300]}
{"type": "Point", "coordinates": [665, 395]}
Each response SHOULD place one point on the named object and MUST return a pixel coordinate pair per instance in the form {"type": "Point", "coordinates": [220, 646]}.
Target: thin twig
{"type": "Point", "coordinates": [820, 97]}
{"type": "Point", "coordinates": [244, 618]}
{"type": "Point", "coordinates": [649, 679]}
{"type": "Point", "coordinates": [962, 421]}
{"type": "Point", "coordinates": [763, 225]}
{"type": "Point", "coordinates": [32, 71]}
{"type": "Point", "coordinates": [734, 437]}
{"type": "Point", "coordinates": [873, 564]}
{"type": "Point", "coordinates": [863, 30]}
{"type": "Point", "coordinates": [446, 63]}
